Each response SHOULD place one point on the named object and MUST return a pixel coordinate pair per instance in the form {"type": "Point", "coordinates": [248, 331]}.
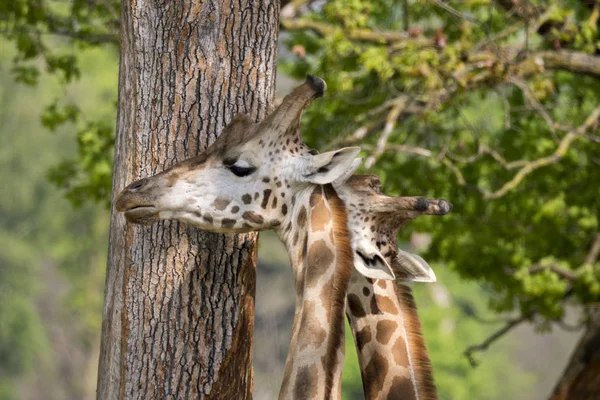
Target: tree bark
{"type": "Point", "coordinates": [581, 379]}
{"type": "Point", "coordinates": [179, 303]}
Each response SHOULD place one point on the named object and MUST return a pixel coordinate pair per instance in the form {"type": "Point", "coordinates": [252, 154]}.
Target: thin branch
{"type": "Point", "coordinates": [560, 152]}
{"type": "Point", "coordinates": [594, 251]}
{"type": "Point", "coordinates": [360, 35]}
{"type": "Point", "coordinates": [534, 102]}
{"type": "Point", "coordinates": [494, 337]}
{"type": "Point", "coordinates": [558, 270]}
{"type": "Point", "coordinates": [390, 124]}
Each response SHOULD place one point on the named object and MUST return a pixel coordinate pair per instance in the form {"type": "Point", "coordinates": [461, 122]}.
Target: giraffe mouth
{"type": "Point", "coordinates": [143, 215]}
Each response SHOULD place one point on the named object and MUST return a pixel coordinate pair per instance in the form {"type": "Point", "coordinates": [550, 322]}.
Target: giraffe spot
{"type": "Point", "coordinates": [385, 330]}
{"type": "Point", "coordinates": [401, 388]}
{"type": "Point", "coordinates": [172, 179]}
{"type": "Point", "coordinates": [207, 218]}
{"type": "Point", "coordinates": [382, 304]}
{"type": "Point", "coordinates": [284, 208]}
{"type": "Point", "coordinates": [295, 238]}
{"type": "Point", "coordinates": [253, 217]}
{"type": "Point", "coordinates": [304, 248]}
{"type": "Point", "coordinates": [301, 217]}
{"type": "Point", "coordinates": [399, 352]}
{"type": "Point", "coordinates": [320, 215]}
{"type": "Point", "coordinates": [312, 334]}
{"type": "Point", "coordinates": [265, 200]}
{"type": "Point", "coordinates": [246, 198]}
{"type": "Point", "coordinates": [228, 223]}
{"type": "Point", "coordinates": [279, 184]}
{"type": "Point", "coordinates": [221, 204]}
{"type": "Point", "coordinates": [235, 209]}
{"type": "Point", "coordinates": [366, 291]}
{"type": "Point", "coordinates": [327, 298]}
{"type": "Point", "coordinates": [266, 179]}
{"type": "Point", "coordinates": [375, 374]}
{"type": "Point", "coordinates": [256, 196]}
{"type": "Point", "coordinates": [320, 258]}
{"type": "Point", "coordinates": [363, 337]}
{"type": "Point", "coordinates": [355, 306]}
{"type": "Point", "coordinates": [274, 205]}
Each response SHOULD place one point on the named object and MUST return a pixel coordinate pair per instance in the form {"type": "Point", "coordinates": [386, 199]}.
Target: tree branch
{"type": "Point", "coordinates": [494, 337]}
{"type": "Point", "coordinates": [572, 61]}
{"type": "Point", "coordinates": [360, 35]}
{"type": "Point", "coordinates": [594, 251]}
{"type": "Point", "coordinates": [560, 152]}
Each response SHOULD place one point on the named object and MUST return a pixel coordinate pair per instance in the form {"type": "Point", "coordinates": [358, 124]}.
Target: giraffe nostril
{"type": "Point", "coordinates": [138, 184]}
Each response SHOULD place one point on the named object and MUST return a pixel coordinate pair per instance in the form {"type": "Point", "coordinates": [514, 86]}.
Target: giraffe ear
{"type": "Point", "coordinates": [325, 168]}
{"type": "Point", "coordinates": [348, 173]}
{"type": "Point", "coordinates": [411, 267]}
{"type": "Point", "coordinates": [371, 263]}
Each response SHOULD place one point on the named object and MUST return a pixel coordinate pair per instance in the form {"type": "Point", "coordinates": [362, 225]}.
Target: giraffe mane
{"type": "Point", "coordinates": [420, 364]}
{"type": "Point", "coordinates": [343, 269]}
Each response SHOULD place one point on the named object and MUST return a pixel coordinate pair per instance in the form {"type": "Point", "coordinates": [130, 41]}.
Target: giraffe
{"type": "Point", "coordinates": [381, 312]}
{"type": "Point", "coordinates": [259, 176]}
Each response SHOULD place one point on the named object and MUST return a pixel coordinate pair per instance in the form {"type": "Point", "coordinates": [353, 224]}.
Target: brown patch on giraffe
{"type": "Point", "coordinates": [401, 388]}
{"type": "Point", "coordinates": [172, 179]}
{"type": "Point", "coordinates": [265, 200]}
{"type": "Point", "coordinates": [207, 218]}
{"type": "Point", "coordinates": [228, 223]}
{"type": "Point", "coordinates": [253, 217]}
{"type": "Point", "coordinates": [399, 352]}
{"type": "Point", "coordinates": [284, 208]}
{"type": "Point", "coordinates": [313, 334]}
{"type": "Point", "coordinates": [304, 248]}
{"type": "Point", "coordinates": [320, 215]}
{"type": "Point", "coordinates": [320, 258]}
{"type": "Point", "coordinates": [384, 304]}
{"type": "Point", "coordinates": [363, 337]}
{"type": "Point", "coordinates": [375, 374]}
{"type": "Point", "coordinates": [246, 198]}
{"type": "Point", "coordinates": [385, 330]}
{"type": "Point", "coordinates": [235, 209]}
{"type": "Point", "coordinates": [302, 217]}
{"type": "Point", "coordinates": [306, 382]}
{"type": "Point", "coordinates": [274, 202]}
{"type": "Point", "coordinates": [355, 306]}
{"type": "Point", "coordinates": [220, 204]}
{"type": "Point", "coordinates": [256, 196]}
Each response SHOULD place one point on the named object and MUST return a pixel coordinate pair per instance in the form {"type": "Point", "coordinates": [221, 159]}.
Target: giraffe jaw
{"type": "Point", "coordinates": [142, 215]}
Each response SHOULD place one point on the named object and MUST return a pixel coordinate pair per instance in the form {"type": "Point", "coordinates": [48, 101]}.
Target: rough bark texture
{"type": "Point", "coordinates": [178, 314]}
{"type": "Point", "coordinates": [581, 379]}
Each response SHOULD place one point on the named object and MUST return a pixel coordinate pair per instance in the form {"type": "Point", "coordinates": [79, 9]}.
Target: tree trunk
{"type": "Point", "coordinates": [179, 303]}
{"type": "Point", "coordinates": [581, 379]}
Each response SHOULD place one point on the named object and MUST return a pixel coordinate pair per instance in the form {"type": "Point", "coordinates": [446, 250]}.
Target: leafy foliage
{"type": "Point", "coordinates": [444, 102]}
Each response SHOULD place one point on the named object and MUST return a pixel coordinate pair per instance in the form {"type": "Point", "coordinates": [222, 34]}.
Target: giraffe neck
{"type": "Point", "coordinates": [391, 352]}
{"type": "Point", "coordinates": [318, 242]}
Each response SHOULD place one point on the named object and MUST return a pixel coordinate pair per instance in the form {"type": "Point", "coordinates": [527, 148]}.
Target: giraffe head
{"type": "Point", "coordinates": [375, 219]}
{"type": "Point", "coordinates": [246, 180]}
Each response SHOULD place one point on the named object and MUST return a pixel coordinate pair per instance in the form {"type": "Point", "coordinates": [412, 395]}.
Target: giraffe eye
{"type": "Point", "coordinates": [241, 168]}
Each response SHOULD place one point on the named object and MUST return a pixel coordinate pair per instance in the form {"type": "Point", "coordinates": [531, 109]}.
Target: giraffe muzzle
{"type": "Point", "coordinates": [137, 208]}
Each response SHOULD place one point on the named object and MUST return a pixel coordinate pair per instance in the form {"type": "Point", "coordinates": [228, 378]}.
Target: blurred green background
{"type": "Point", "coordinates": [458, 86]}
